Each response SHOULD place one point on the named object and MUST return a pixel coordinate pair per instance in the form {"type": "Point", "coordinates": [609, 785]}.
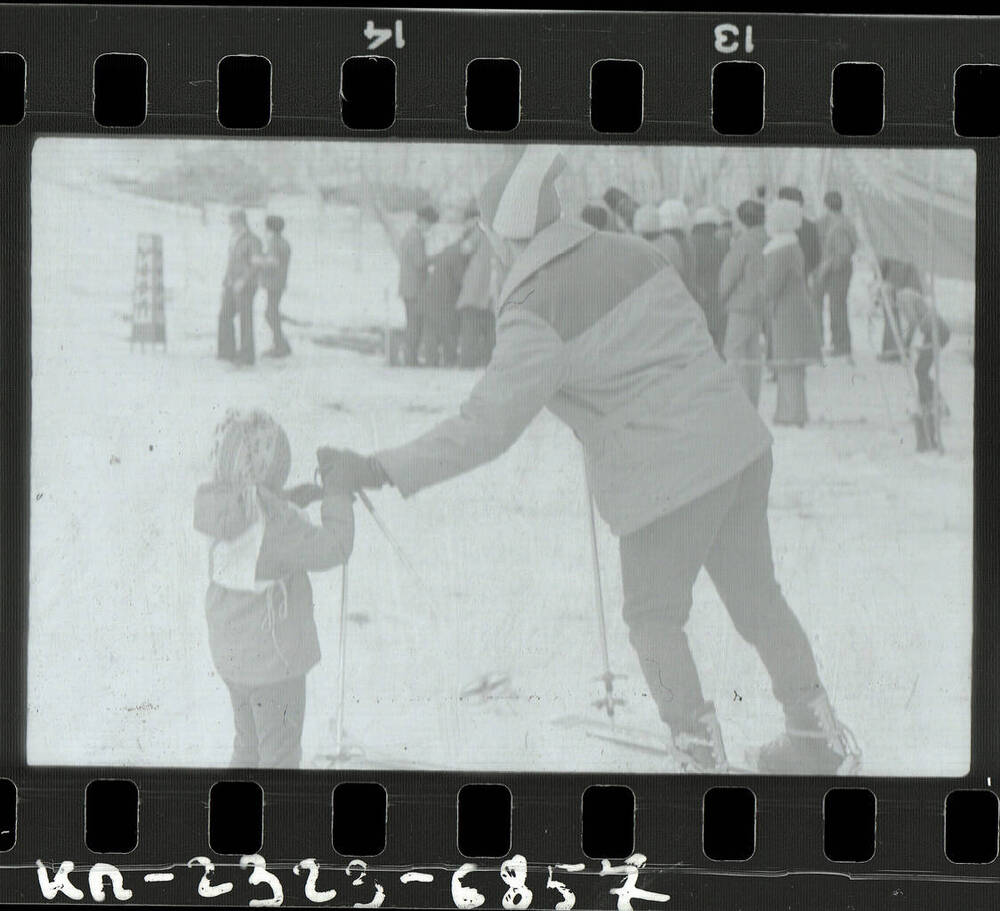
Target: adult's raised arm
{"type": "Point", "coordinates": [390, 229]}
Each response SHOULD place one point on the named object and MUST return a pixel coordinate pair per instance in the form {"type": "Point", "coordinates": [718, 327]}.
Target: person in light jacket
{"type": "Point", "coordinates": [598, 329]}
{"type": "Point", "coordinates": [273, 272]}
{"type": "Point", "coordinates": [741, 289]}
{"type": "Point", "coordinates": [411, 249]}
{"type": "Point", "coordinates": [795, 338]}
{"type": "Point", "coordinates": [833, 274]}
{"type": "Point", "coordinates": [897, 275]}
{"type": "Point", "coordinates": [238, 289]}
{"type": "Point", "coordinates": [259, 602]}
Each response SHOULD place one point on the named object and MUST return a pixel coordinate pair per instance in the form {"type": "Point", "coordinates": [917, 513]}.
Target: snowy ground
{"type": "Point", "coordinates": [873, 542]}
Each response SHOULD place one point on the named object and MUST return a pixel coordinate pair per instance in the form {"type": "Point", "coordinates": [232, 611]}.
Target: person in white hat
{"type": "Point", "coordinates": [674, 221]}
{"type": "Point", "coordinates": [648, 226]}
{"type": "Point", "coordinates": [597, 328]}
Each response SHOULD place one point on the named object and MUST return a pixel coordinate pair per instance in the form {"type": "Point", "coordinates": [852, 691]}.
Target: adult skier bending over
{"type": "Point", "coordinates": [599, 328]}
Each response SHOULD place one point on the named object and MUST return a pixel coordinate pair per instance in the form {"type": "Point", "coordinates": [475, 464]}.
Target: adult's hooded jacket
{"type": "Point", "coordinates": [599, 328]}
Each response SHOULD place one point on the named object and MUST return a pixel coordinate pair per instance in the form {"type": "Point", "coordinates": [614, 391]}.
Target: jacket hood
{"type": "Point", "coordinates": [551, 242]}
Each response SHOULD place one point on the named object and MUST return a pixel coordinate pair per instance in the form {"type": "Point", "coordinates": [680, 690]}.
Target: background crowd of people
{"type": "Point", "coordinates": [449, 295]}
{"type": "Point", "coordinates": [769, 280]}
{"type": "Point", "coordinates": [762, 279]}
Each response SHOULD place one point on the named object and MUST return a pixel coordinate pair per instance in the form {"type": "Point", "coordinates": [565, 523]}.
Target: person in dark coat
{"type": "Point", "coordinates": [833, 275]}
{"type": "Point", "coordinates": [674, 222]}
{"type": "Point", "coordinates": [437, 302]}
{"type": "Point", "coordinates": [622, 206]}
{"type": "Point", "coordinates": [794, 335]}
{"type": "Point", "coordinates": [709, 251]}
{"type": "Point", "coordinates": [595, 327]}
{"type": "Point", "coordinates": [476, 323]}
{"type": "Point", "coordinates": [259, 603]}
{"type": "Point", "coordinates": [411, 249]}
{"type": "Point", "coordinates": [597, 216]}
{"type": "Point", "coordinates": [741, 291]}
{"type": "Point", "coordinates": [897, 276]}
{"type": "Point", "coordinates": [273, 266]}
{"type": "Point", "coordinates": [923, 317]}
{"type": "Point", "coordinates": [238, 289]}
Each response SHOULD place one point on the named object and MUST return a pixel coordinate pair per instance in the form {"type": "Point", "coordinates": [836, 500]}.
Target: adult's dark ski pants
{"type": "Point", "coordinates": [726, 531]}
{"type": "Point", "coordinates": [234, 305]}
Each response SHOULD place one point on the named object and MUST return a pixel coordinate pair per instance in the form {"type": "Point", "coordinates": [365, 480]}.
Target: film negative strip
{"type": "Point", "coordinates": [378, 384]}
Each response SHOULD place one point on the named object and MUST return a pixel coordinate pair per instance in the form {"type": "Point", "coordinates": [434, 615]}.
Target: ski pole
{"type": "Point", "coordinates": [609, 701]}
{"type": "Point", "coordinates": [342, 660]}
{"type": "Point", "coordinates": [393, 543]}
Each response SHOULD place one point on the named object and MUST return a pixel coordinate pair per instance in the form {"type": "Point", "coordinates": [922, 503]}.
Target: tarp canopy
{"type": "Point", "coordinates": [915, 205]}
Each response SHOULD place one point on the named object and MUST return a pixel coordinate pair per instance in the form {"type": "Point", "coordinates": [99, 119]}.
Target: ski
{"type": "Point", "coordinates": [850, 766]}
{"type": "Point", "coordinates": [637, 739]}
{"type": "Point", "coordinates": [352, 757]}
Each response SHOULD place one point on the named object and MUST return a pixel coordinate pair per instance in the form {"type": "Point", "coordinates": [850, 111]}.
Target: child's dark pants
{"type": "Point", "coordinates": [268, 721]}
{"type": "Point", "coordinates": [726, 531]}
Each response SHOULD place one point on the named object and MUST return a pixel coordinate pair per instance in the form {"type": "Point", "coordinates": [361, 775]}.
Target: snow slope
{"type": "Point", "coordinates": [872, 541]}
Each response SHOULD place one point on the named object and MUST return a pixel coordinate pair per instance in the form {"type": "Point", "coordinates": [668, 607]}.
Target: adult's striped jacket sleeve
{"type": "Point", "coordinates": [527, 368]}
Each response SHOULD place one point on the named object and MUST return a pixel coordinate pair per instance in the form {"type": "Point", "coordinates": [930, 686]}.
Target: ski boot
{"type": "Point", "coordinates": [814, 743]}
{"type": "Point", "coordinates": [920, 428]}
{"type": "Point", "coordinates": [698, 746]}
{"type": "Point", "coordinates": [926, 426]}
{"type": "Point", "coordinates": [933, 427]}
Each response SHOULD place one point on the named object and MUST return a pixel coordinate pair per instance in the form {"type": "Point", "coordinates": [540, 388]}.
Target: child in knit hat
{"type": "Point", "coordinates": [259, 602]}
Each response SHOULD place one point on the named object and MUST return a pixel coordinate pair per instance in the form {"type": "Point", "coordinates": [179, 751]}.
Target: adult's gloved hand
{"type": "Point", "coordinates": [304, 494]}
{"type": "Point", "coordinates": [347, 471]}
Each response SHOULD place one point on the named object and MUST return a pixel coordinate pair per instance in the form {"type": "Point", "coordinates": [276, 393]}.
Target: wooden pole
{"type": "Point", "coordinates": [935, 336]}
{"type": "Point", "coordinates": [889, 316]}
